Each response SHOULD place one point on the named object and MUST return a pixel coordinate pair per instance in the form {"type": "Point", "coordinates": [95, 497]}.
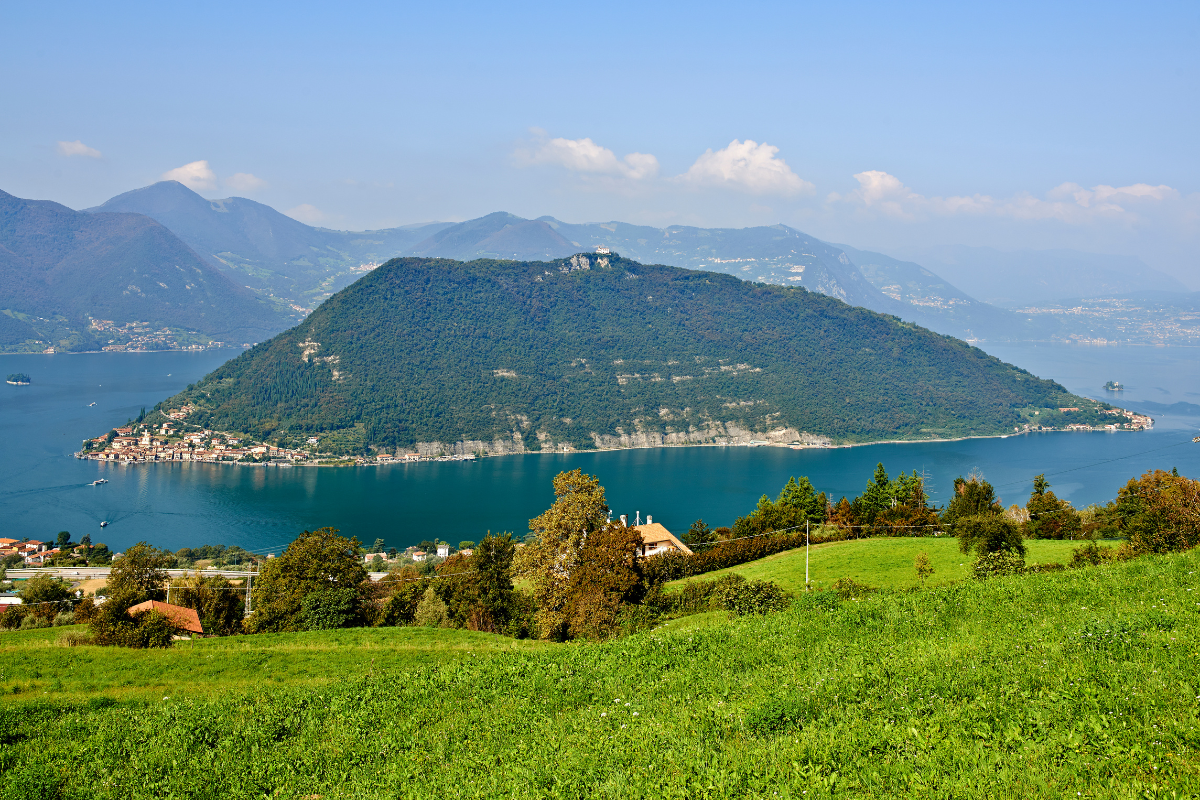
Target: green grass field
{"type": "Point", "coordinates": [35, 664]}
{"type": "Point", "coordinates": [885, 563]}
{"type": "Point", "coordinates": [1082, 683]}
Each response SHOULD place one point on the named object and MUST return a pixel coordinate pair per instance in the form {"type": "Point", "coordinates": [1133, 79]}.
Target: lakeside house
{"type": "Point", "coordinates": [656, 539]}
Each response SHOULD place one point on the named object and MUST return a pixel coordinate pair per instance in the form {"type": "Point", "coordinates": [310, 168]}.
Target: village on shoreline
{"type": "Point", "coordinates": [165, 436]}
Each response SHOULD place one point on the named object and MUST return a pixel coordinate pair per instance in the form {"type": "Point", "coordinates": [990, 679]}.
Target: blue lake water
{"type": "Point", "coordinates": [44, 490]}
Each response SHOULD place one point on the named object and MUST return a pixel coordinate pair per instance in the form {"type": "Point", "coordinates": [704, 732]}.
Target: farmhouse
{"type": "Point", "coordinates": [656, 540]}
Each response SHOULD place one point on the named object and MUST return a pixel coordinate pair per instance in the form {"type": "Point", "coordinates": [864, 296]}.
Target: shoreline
{"type": "Point", "coordinates": [350, 462]}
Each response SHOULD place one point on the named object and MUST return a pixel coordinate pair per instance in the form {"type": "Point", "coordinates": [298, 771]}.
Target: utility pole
{"type": "Point", "coordinates": [806, 538]}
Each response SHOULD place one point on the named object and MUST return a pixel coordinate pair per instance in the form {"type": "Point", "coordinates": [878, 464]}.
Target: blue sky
{"type": "Point", "coordinates": [887, 126]}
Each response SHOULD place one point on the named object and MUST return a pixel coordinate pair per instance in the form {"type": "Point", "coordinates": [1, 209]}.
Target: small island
{"type": "Point", "coordinates": [1113, 386]}
{"type": "Point", "coordinates": [19, 379]}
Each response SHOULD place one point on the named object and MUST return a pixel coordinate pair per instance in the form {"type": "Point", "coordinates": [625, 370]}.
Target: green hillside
{"type": "Point", "coordinates": [1077, 683]}
{"type": "Point", "coordinates": [603, 351]}
{"type": "Point", "coordinates": [60, 268]}
{"type": "Point", "coordinates": [882, 562]}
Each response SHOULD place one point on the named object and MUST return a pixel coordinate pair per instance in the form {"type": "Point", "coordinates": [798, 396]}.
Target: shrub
{"type": "Point", "coordinates": [431, 611]}
{"type": "Point", "coordinates": [752, 597]}
{"type": "Point", "coordinates": [12, 616]}
{"type": "Point", "coordinates": [64, 618]}
{"type": "Point", "coordinates": [988, 533]}
{"type": "Point", "coordinates": [850, 589]}
{"type": "Point", "coordinates": [1001, 562]}
{"type": "Point", "coordinates": [85, 609]}
{"type": "Point", "coordinates": [32, 621]}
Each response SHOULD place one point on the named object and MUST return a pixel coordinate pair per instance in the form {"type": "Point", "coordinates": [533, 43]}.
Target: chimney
{"type": "Point", "coordinates": [638, 518]}
{"type": "Point", "coordinates": [649, 519]}
{"type": "Point", "coordinates": [625, 520]}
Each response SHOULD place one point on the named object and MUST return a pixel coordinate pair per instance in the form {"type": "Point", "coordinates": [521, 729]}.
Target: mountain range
{"type": "Point", "coordinates": [61, 270]}
{"type": "Point", "coordinates": [598, 351]}
{"type": "Point", "coordinates": [263, 249]}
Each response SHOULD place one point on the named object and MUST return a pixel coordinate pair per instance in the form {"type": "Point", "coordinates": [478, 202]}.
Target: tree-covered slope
{"type": "Point", "coordinates": [594, 351]}
{"type": "Point", "coordinates": [55, 262]}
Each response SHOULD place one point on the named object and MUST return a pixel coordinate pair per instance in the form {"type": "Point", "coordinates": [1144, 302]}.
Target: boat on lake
{"type": "Point", "coordinates": [99, 481]}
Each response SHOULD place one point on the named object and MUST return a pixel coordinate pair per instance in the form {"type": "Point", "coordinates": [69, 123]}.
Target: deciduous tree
{"type": "Point", "coordinates": [316, 561]}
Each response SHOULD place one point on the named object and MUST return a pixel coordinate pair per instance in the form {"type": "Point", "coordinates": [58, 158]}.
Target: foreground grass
{"type": "Point", "coordinates": [885, 563]}
{"type": "Point", "coordinates": [37, 664]}
{"type": "Point", "coordinates": [1081, 683]}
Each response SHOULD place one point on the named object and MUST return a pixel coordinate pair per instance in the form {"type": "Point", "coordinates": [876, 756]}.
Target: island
{"type": "Point", "coordinates": [19, 379]}
{"type": "Point", "coordinates": [1113, 386]}
{"type": "Point", "coordinates": [435, 358]}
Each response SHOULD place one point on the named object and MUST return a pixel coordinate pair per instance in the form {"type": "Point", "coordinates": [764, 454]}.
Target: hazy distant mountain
{"type": "Point", "coordinates": [264, 249]}
{"type": "Point", "coordinates": [59, 267]}
{"type": "Point", "coordinates": [775, 254]}
{"type": "Point", "coordinates": [598, 351]}
{"type": "Point", "coordinates": [940, 306]}
{"type": "Point", "coordinates": [1024, 278]}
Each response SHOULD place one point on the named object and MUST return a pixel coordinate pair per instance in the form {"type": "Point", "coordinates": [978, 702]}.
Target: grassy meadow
{"type": "Point", "coordinates": [884, 563]}
{"type": "Point", "coordinates": [1081, 683]}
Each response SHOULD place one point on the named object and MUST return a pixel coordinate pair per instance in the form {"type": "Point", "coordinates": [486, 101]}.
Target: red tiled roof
{"type": "Point", "coordinates": [186, 619]}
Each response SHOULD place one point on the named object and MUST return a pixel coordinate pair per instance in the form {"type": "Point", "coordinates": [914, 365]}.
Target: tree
{"type": "Point", "coordinates": [559, 533]}
{"type": "Point", "coordinates": [1049, 517]}
{"type": "Point", "coordinates": [139, 574]}
{"type": "Point", "coordinates": [379, 546]}
{"type": "Point", "coordinates": [606, 578]}
{"type": "Point", "coordinates": [699, 535]}
{"type": "Point", "coordinates": [972, 496]}
{"type": "Point", "coordinates": [494, 601]}
{"type": "Point", "coordinates": [924, 567]}
{"type": "Point", "coordinates": [796, 504]}
{"type": "Point", "coordinates": [46, 596]}
{"type": "Point", "coordinates": [86, 540]}
{"type": "Point", "coordinates": [64, 538]}
{"type": "Point", "coordinates": [466, 544]}
{"type": "Point", "coordinates": [1158, 512]}
{"type": "Point", "coordinates": [316, 561]}
{"type": "Point", "coordinates": [217, 603]}
{"type": "Point", "coordinates": [988, 533]}
{"type": "Point", "coordinates": [431, 611]}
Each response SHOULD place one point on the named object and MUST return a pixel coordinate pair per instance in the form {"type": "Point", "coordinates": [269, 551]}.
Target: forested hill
{"type": "Point", "coordinates": [602, 351]}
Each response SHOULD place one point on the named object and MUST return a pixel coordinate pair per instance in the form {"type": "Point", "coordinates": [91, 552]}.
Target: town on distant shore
{"type": "Point", "coordinates": [165, 435]}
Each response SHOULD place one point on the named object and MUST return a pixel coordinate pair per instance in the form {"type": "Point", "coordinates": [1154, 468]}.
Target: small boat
{"type": "Point", "coordinates": [99, 481]}
{"type": "Point", "coordinates": [104, 524]}
{"type": "Point", "coordinates": [91, 404]}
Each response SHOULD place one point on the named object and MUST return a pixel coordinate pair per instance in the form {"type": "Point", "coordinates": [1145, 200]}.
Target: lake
{"type": "Point", "coordinates": [44, 490]}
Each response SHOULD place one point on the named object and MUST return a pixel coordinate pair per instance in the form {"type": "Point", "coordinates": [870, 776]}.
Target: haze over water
{"type": "Point", "coordinates": [44, 490]}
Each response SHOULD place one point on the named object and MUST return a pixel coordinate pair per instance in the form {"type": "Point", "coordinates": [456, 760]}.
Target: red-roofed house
{"type": "Point", "coordinates": [185, 619]}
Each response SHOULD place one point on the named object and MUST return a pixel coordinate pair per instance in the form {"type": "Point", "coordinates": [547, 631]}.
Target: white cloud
{"type": "Point", "coordinates": [244, 182]}
{"type": "Point", "coordinates": [584, 155]}
{"type": "Point", "coordinates": [885, 194]}
{"type": "Point", "coordinates": [747, 166]}
{"type": "Point", "coordinates": [196, 176]}
{"type": "Point", "coordinates": [77, 148]}
{"type": "Point", "coordinates": [306, 213]}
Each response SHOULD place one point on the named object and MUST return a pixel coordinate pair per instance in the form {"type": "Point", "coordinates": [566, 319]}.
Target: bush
{"type": "Point", "coordinates": [32, 621]}
{"type": "Point", "coordinates": [673, 566]}
{"type": "Point", "coordinates": [752, 597]}
{"type": "Point", "coordinates": [64, 618]}
{"type": "Point", "coordinates": [85, 609]}
{"type": "Point", "coordinates": [1001, 562]}
{"type": "Point", "coordinates": [850, 589]}
{"type": "Point", "coordinates": [988, 533]}
{"type": "Point", "coordinates": [12, 616]}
